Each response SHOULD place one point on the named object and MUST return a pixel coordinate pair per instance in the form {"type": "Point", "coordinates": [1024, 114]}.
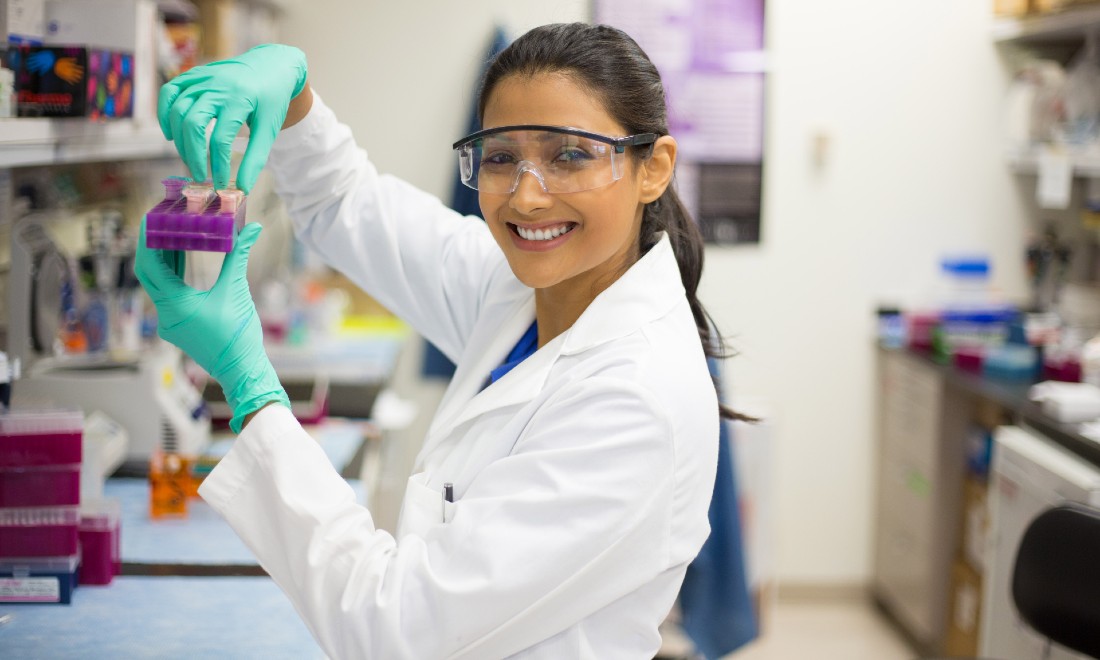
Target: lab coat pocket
{"type": "Point", "coordinates": [424, 507]}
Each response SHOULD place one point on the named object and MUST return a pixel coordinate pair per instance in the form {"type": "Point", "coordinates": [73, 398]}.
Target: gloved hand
{"type": "Point", "coordinates": [254, 88]}
{"type": "Point", "coordinates": [219, 328]}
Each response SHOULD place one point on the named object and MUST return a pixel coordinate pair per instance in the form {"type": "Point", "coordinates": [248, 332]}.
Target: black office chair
{"type": "Point", "coordinates": [1056, 579]}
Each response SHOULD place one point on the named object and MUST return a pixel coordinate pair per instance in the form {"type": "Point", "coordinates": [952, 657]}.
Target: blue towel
{"type": "Point", "coordinates": [463, 200]}
{"type": "Point", "coordinates": [715, 605]}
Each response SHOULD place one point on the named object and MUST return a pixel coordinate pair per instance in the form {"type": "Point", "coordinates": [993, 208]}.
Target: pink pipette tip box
{"type": "Point", "coordinates": [170, 226]}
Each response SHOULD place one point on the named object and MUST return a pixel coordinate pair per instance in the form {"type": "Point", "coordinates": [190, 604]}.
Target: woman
{"type": "Point", "coordinates": [563, 486]}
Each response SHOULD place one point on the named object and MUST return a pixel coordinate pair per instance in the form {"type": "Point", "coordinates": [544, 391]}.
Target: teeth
{"type": "Point", "coordinates": [542, 234]}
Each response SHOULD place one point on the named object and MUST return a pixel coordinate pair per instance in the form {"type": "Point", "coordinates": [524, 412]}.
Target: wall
{"type": "Point", "coordinates": [402, 74]}
{"type": "Point", "coordinates": [908, 95]}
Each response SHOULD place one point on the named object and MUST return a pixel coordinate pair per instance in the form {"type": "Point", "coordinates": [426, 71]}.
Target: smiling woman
{"type": "Point", "coordinates": [563, 487]}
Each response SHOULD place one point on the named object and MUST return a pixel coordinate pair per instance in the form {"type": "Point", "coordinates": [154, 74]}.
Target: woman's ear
{"type": "Point", "coordinates": [658, 168]}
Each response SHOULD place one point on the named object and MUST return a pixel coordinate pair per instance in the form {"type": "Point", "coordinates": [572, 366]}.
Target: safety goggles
{"type": "Point", "coordinates": [563, 160]}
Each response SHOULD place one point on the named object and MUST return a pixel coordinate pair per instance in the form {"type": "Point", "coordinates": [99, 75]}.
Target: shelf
{"type": "Point", "coordinates": [1085, 166]}
{"type": "Point", "coordinates": [33, 141]}
{"type": "Point", "coordinates": [1060, 26]}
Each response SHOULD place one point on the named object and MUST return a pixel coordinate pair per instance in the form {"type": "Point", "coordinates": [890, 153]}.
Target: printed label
{"type": "Point", "coordinates": [30, 590]}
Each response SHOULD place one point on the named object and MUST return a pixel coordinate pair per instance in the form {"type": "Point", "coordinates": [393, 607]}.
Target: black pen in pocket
{"type": "Point", "coordinates": [448, 496]}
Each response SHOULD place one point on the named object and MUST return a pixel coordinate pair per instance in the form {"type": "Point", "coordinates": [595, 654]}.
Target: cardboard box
{"type": "Point", "coordinates": [1010, 8]}
{"type": "Point", "coordinates": [1046, 6]}
{"type": "Point", "coordinates": [125, 26]}
{"type": "Point", "coordinates": [975, 523]}
{"type": "Point", "coordinates": [964, 612]}
{"type": "Point", "coordinates": [73, 81]}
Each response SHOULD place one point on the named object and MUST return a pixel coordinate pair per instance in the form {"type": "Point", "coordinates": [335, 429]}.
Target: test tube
{"type": "Point", "coordinates": [173, 187]}
{"type": "Point", "coordinates": [197, 194]}
{"type": "Point", "coordinates": [230, 199]}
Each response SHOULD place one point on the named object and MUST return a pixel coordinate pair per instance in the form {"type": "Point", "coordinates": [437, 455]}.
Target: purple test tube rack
{"type": "Point", "coordinates": [169, 226]}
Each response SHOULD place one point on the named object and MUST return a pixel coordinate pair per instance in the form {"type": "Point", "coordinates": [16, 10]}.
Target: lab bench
{"type": "Point", "coordinates": [189, 586]}
{"type": "Point", "coordinates": [927, 414]}
{"type": "Point", "coordinates": [162, 617]}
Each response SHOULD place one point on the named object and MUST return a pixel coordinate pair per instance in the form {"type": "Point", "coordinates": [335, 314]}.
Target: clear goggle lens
{"type": "Point", "coordinates": [562, 160]}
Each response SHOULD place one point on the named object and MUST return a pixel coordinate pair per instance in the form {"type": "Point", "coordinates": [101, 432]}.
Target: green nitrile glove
{"type": "Point", "coordinates": [254, 88]}
{"type": "Point", "coordinates": [219, 328]}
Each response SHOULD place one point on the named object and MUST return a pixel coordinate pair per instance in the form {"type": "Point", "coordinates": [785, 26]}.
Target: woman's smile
{"type": "Point", "coordinates": [541, 237]}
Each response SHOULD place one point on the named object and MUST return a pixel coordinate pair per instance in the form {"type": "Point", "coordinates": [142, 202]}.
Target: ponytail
{"type": "Point", "coordinates": [669, 215]}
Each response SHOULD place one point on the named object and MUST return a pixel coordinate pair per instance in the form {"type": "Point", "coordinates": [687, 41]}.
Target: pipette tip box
{"type": "Point", "coordinates": [40, 457]}
{"type": "Point", "coordinates": [208, 223]}
{"type": "Point", "coordinates": [39, 531]}
{"type": "Point", "coordinates": [38, 579]}
{"type": "Point", "coordinates": [100, 559]}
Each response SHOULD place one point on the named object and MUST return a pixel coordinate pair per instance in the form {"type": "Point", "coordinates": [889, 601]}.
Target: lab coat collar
{"type": "Point", "coordinates": [648, 291]}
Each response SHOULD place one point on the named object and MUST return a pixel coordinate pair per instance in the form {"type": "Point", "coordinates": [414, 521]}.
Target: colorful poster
{"type": "Point", "coordinates": [711, 57]}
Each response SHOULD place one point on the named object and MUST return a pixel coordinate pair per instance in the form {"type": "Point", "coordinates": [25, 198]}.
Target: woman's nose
{"type": "Point", "coordinates": [529, 191]}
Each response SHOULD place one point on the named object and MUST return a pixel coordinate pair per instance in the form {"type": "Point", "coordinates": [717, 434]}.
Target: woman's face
{"type": "Point", "coordinates": [603, 223]}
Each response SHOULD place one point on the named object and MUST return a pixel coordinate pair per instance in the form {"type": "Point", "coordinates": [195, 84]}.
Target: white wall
{"type": "Point", "coordinates": [909, 94]}
{"type": "Point", "coordinates": [402, 74]}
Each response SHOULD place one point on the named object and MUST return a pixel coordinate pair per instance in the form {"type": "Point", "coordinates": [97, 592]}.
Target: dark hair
{"type": "Point", "coordinates": [613, 67]}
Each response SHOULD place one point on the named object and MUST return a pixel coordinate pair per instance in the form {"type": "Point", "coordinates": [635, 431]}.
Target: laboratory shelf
{"type": "Point", "coordinates": [1059, 26]}
{"type": "Point", "coordinates": [1086, 166]}
{"type": "Point", "coordinates": [45, 141]}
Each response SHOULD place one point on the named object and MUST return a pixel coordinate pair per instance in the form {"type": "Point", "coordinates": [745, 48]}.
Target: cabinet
{"type": "Point", "coordinates": [922, 422]}
{"type": "Point", "coordinates": [927, 413]}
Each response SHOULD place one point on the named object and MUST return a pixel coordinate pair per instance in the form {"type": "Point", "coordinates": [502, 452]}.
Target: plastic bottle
{"type": "Point", "coordinates": [1090, 361]}
{"type": "Point", "coordinates": [970, 314]}
{"type": "Point", "coordinates": [169, 485]}
{"type": "Point", "coordinates": [6, 377]}
{"type": "Point", "coordinates": [7, 93]}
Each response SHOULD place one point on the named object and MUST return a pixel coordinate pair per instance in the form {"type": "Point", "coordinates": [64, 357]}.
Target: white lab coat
{"type": "Point", "coordinates": [582, 478]}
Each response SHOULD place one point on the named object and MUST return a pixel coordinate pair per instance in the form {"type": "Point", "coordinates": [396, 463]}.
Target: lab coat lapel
{"type": "Point", "coordinates": [491, 342]}
{"type": "Point", "coordinates": [519, 385]}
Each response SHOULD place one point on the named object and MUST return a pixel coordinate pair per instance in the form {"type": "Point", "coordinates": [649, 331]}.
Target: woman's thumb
{"type": "Point", "coordinates": [236, 262]}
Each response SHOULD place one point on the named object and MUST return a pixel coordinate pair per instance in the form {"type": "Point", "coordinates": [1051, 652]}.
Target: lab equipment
{"type": "Point", "coordinates": [99, 531]}
{"type": "Point", "coordinates": [1067, 402]}
{"type": "Point", "coordinates": [564, 160]}
{"type": "Point", "coordinates": [105, 443]}
{"type": "Point", "coordinates": [39, 531]}
{"type": "Point", "coordinates": [197, 196]}
{"type": "Point", "coordinates": [255, 87]}
{"type": "Point", "coordinates": [1048, 262]}
{"type": "Point", "coordinates": [308, 397]}
{"type": "Point", "coordinates": [230, 198]}
{"type": "Point", "coordinates": [40, 453]}
{"type": "Point", "coordinates": [169, 485]}
{"type": "Point", "coordinates": [218, 328]}
{"type": "Point", "coordinates": [1029, 475]}
{"type": "Point", "coordinates": [40, 459]}
{"type": "Point", "coordinates": [150, 397]}
{"type": "Point", "coordinates": [891, 327]}
{"type": "Point", "coordinates": [9, 372]}
{"type": "Point", "coordinates": [1011, 362]}
{"type": "Point", "coordinates": [146, 393]}
{"type": "Point", "coordinates": [971, 315]}
{"type": "Point", "coordinates": [189, 219]}
{"type": "Point", "coordinates": [38, 579]}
